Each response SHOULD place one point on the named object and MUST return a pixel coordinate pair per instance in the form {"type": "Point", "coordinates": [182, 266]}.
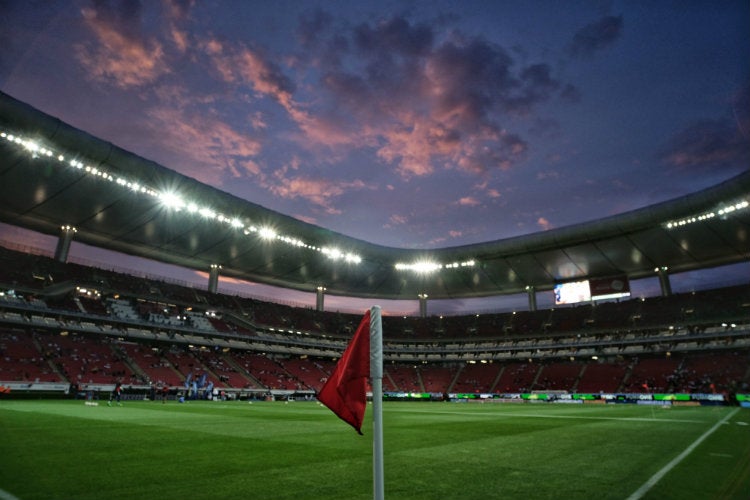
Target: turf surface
{"type": "Point", "coordinates": [227, 450]}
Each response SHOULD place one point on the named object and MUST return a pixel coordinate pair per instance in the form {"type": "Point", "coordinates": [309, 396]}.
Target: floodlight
{"type": "Point", "coordinates": [171, 200]}
{"type": "Point", "coordinates": [267, 233]}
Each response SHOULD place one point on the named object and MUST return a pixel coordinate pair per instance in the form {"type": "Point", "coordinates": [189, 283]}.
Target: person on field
{"type": "Point", "coordinates": [116, 394]}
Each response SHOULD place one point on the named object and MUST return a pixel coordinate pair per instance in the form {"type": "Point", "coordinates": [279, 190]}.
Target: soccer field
{"type": "Point", "coordinates": [227, 450]}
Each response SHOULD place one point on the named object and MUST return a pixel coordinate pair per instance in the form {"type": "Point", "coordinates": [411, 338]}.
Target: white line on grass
{"type": "Point", "coordinates": [541, 415]}
{"type": "Point", "coordinates": [4, 495]}
{"type": "Point", "coordinates": [671, 465]}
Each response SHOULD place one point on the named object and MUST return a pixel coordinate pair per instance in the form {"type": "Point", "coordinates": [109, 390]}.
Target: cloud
{"type": "Point", "coordinates": [707, 144]}
{"type": "Point", "coordinates": [244, 65]}
{"type": "Point", "coordinates": [215, 147]}
{"type": "Point", "coordinates": [543, 223]}
{"type": "Point", "coordinates": [396, 219]}
{"type": "Point", "coordinates": [596, 36]}
{"type": "Point", "coordinates": [320, 192]}
{"type": "Point", "coordinates": [180, 39]}
{"type": "Point", "coordinates": [487, 191]}
{"type": "Point", "coordinates": [178, 9]}
{"type": "Point", "coordinates": [421, 98]}
{"type": "Point", "coordinates": [468, 201]}
{"type": "Point", "coordinates": [121, 56]}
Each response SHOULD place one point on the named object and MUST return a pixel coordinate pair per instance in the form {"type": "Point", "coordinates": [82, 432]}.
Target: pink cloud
{"type": "Point", "coordinates": [214, 146]}
{"type": "Point", "coordinates": [396, 219]}
{"type": "Point", "coordinates": [264, 76]}
{"type": "Point", "coordinates": [243, 65]}
{"type": "Point", "coordinates": [320, 192]}
{"type": "Point", "coordinates": [119, 58]}
{"type": "Point", "coordinates": [544, 223]}
{"type": "Point", "coordinates": [257, 121]}
{"type": "Point", "coordinates": [468, 201]}
{"type": "Point", "coordinates": [180, 39]}
{"type": "Point", "coordinates": [322, 131]}
{"type": "Point", "coordinates": [421, 101]}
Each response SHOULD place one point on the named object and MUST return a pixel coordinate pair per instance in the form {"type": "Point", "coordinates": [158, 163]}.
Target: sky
{"type": "Point", "coordinates": [410, 124]}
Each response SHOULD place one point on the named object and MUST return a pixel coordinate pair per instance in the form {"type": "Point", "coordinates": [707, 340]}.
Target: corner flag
{"type": "Point", "coordinates": [345, 391]}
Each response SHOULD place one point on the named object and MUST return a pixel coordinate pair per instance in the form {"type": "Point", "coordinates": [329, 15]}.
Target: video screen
{"type": "Point", "coordinates": [573, 292]}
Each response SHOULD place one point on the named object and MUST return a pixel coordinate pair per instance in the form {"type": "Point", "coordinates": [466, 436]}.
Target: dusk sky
{"type": "Point", "coordinates": [406, 124]}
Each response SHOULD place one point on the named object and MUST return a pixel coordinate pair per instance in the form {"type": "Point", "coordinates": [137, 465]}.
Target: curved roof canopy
{"type": "Point", "coordinates": [53, 175]}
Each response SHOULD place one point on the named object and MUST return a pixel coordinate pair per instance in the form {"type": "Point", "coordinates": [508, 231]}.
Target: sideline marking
{"type": "Point", "coordinates": [671, 465]}
{"type": "Point", "coordinates": [4, 495]}
{"type": "Point", "coordinates": [541, 415]}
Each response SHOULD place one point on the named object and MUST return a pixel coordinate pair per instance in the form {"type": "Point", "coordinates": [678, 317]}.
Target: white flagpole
{"type": "Point", "coordinates": [376, 380]}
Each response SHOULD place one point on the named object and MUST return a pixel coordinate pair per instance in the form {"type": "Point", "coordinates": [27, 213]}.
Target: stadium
{"type": "Point", "coordinates": [71, 331]}
{"type": "Point", "coordinates": [541, 214]}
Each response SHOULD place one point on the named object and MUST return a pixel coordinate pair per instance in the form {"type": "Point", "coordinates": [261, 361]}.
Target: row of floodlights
{"type": "Point", "coordinates": [176, 203]}
{"type": "Point", "coordinates": [428, 266]}
{"type": "Point", "coordinates": [719, 212]}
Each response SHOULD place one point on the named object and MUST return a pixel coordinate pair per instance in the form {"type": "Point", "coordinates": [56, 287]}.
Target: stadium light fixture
{"type": "Point", "coordinates": [427, 267]}
{"type": "Point", "coordinates": [720, 211]}
{"type": "Point", "coordinates": [170, 199]}
{"type": "Point", "coordinates": [267, 233]}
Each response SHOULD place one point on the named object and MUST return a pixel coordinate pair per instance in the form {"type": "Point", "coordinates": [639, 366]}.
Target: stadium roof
{"type": "Point", "coordinates": [54, 175]}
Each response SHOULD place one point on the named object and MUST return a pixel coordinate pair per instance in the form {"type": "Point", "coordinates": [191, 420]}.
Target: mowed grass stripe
{"type": "Point", "coordinates": [258, 421]}
{"type": "Point", "coordinates": [95, 457]}
{"type": "Point", "coordinates": [301, 450]}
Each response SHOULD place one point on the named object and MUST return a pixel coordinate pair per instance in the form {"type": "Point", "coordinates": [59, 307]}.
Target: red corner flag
{"type": "Point", "coordinates": [345, 391]}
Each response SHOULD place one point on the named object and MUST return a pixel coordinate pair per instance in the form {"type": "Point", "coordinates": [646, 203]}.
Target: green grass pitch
{"type": "Point", "coordinates": [299, 450]}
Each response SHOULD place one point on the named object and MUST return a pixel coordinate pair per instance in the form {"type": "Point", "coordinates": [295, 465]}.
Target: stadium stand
{"type": "Point", "coordinates": [74, 324]}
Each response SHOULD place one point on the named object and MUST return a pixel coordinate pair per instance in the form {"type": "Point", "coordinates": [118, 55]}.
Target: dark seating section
{"type": "Point", "coordinates": [582, 357]}
{"type": "Point", "coordinates": [602, 377]}
{"type": "Point", "coordinates": [477, 378]}
{"type": "Point", "coordinates": [85, 359]}
{"type": "Point", "coordinates": [23, 359]}
{"type": "Point", "coordinates": [652, 374]}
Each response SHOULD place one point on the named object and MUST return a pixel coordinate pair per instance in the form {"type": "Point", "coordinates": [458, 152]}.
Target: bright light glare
{"type": "Point", "coordinates": [267, 233]}
{"type": "Point", "coordinates": [171, 200]}
{"type": "Point", "coordinates": [426, 267]}
{"type": "Point", "coordinates": [336, 254]}
{"type": "Point", "coordinates": [420, 267]}
{"type": "Point", "coordinates": [207, 213]}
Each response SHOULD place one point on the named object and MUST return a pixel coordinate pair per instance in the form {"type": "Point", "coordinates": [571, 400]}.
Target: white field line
{"type": "Point", "coordinates": [671, 465]}
{"type": "Point", "coordinates": [4, 495]}
{"type": "Point", "coordinates": [542, 415]}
